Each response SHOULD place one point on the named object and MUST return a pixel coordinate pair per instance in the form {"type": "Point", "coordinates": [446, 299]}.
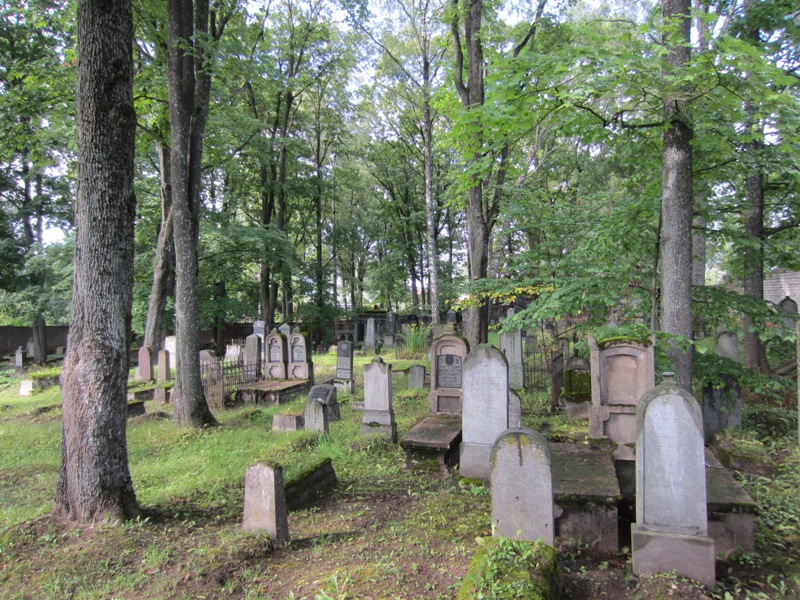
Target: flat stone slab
{"type": "Point", "coordinates": [288, 422]}
{"type": "Point", "coordinates": [273, 392]}
{"type": "Point", "coordinates": [136, 408]}
{"type": "Point", "coordinates": [433, 443]}
{"type": "Point", "coordinates": [731, 510]}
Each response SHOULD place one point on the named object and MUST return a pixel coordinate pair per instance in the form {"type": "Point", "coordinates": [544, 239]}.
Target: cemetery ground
{"type": "Point", "coordinates": [384, 532]}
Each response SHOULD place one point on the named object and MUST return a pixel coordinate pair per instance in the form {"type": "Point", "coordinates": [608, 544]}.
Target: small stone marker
{"type": "Point", "coordinates": [447, 355]}
{"type": "Point", "coordinates": [326, 395]}
{"type": "Point", "coordinates": [19, 359]}
{"type": "Point", "coordinates": [378, 411]}
{"type": "Point", "coordinates": [164, 373]}
{"type": "Point", "coordinates": [144, 371]}
{"type": "Point", "coordinates": [485, 412]}
{"type": "Point", "coordinates": [522, 486]}
{"type": "Point", "coordinates": [511, 345]}
{"type": "Point", "coordinates": [276, 356]}
{"type": "Point", "coordinates": [316, 416]}
{"type": "Point", "coordinates": [416, 376]}
{"type": "Point", "coordinates": [287, 422]}
{"type": "Point", "coordinates": [369, 336]}
{"type": "Point", "coordinates": [265, 502]}
{"type": "Point", "coordinates": [671, 529]}
{"type": "Point", "coordinates": [344, 379]}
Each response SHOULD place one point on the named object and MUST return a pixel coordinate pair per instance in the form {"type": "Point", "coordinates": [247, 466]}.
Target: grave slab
{"type": "Point", "coordinates": [432, 444]}
{"type": "Point", "coordinates": [272, 392]}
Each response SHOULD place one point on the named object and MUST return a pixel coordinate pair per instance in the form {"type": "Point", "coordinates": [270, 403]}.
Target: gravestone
{"type": "Point", "coordinates": [447, 356]}
{"type": "Point", "coordinates": [576, 397]}
{"type": "Point", "coordinates": [728, 345]}
{"type": "Point", "coordinates": [144, 371]}
{"type": "Point", "coordinates": [621, 374]}
{"type": "Point", "coordinates": [19, 359]}
{"type": "Point", "coordinates": [522, 487]}
{"type": "Point", "coordinates": [276, 356]}
{"type": "Point", "coordinates": [316, 415]}
{"type": "Point", "coordinates": [416, 376]}
{"type": "Point", "coordinates": [378, 411]}
{"type": "Point", "coordinates": [344, 379]}
{"type": "Point", "coordinates": [234, 354]}
{"type": "Point", "coordinates": [300, 365]}
{"type": "Point", "coordinates": [671, 529]}
{"type": "Point", "coordinates": [514, 410]}
{"type": "Point", "coordinates": [451, 317]}
{"type": "Point", "coordinates": [252, 357]}
{"type": "Point", "coordinates": [30, 349]}
{"type": "Point", "coordinates": [326, 394]}
{"type": "Point", "coordinates": [171, 345]}
{"type": "Point", "coordinates": [285, 329]}
{"type": "Point", "coordinates": [511, 345]}
{"type": "Point", "coordinates": [485, 410]}
{"type": "Point", "coordinates": [722, 400]}
{"type": "Point", "coordinates": [789, 309]}
{"type": "Point", "coordinates": [369, 336]}
{"type": "Point", "coordinates": [164, 372]}
{"type": "Point", "coordinates": [391, 330]}
{"type": "Point", "coordinates": [265, 502]}
{"type": "Point", "coordinates": [260, 329]}
{"type": "Point", "coordinates": [208, 357]}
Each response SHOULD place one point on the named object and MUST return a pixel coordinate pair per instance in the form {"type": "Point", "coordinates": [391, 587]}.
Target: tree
{"type": "Point", "coordinates": [94, 479]}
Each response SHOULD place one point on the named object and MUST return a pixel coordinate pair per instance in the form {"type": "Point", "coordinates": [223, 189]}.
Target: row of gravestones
{"type": "Point", "coordinates": [671, 529]}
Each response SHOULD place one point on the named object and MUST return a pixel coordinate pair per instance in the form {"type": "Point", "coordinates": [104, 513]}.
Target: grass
{"type": "Point", "coordinates": [385, 532]}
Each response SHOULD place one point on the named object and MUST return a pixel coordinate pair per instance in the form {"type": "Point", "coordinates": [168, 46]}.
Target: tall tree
{"type": "Point", "coordinates": [94, 479]}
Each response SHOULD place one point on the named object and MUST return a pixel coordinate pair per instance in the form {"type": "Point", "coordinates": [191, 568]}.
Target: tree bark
{"type": "Point", "coordinates": [676, 203]}
{"type": "Point", "coordinates": [188, 86]}
{"type": "Point", "coordinates": [94, 479]}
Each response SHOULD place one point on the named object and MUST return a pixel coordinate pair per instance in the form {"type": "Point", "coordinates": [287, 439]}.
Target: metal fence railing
{"type": "Point", "coordinates": [220, 378]}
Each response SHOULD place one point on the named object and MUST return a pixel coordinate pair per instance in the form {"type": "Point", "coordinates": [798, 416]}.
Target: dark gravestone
{"type": "Point", "coordinates": [344, 367]}
{"type": "Point", "coordinates": [391, 329]}
{"type": "Point", "coordinates": [326, 395]}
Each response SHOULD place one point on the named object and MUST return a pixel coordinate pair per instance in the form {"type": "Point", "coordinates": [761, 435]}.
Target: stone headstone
{"type": "Point", "coordinates": [344, 379]}
{"type": "Point", "coordinates": [252, 357]}
{"type": "Point", "coordinates": [511, 345]}
{"type": "Point", "coordinates": [671, 529]}
{"type": "Point", "coordinates": [316, 415]}
{"type": "Point", "coordinates": [265, 502]}
{"type": "Point", "coordinates": [260, 328]}
{"type": "Point", "coordinates": [451, 317]}
{"type": "Point", "coordinates": [391, 330]}
{"type": "Point", "coordinates": [378, 411]}
{"type": "Point", "coordinates": [144, 371]}
{"type": "Point", "coordinates": [485, 410]}
{"type": "Point", "coordinates": [19, 359]}
{"type": "Point", "coordinates": [621, 374]}
{"type": "Point", "coordinates": [369, 336]}
{"type": "Point", "coordinates": [514, 410]}
{"type": "Point", "coordinates": [164, 372]}
{"type": "Point", "coordinates": [326, 394]}
{"type": "Point", "coordinates": [416, 376]}
{"type": "Point", "coordinates": [208, 357]}
{"type": "Point", "coordinates": [300, 365]}
{"type": "Point", "coordinates": [522, 487]}
{"type": "Point", "coordinates": [447, 357]}
{"type": "Point", "coordinates": [276, 351]}
{"type": "Point", "coordinates": [287, 422]}
{"type": "Point", "coordinates": [60, 350]}
{"type": "Point", "coordinates": [234, 354]}
{"type": "Point", "coordinates": [30, 349]}
{"type": "Point", "coordinates": [171, 345]}
{"type": "Point", "coordinates": [728, 345]}
{"type": "Point", "coordinates": [789, 309]}
{"type": "Point", "coordinates": [285, 329]}
{"type": "Point", "coordinates": [722, 406]}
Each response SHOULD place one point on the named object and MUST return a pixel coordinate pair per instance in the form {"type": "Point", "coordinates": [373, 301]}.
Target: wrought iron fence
{"type": "Point", "coordinates": [220, 378]}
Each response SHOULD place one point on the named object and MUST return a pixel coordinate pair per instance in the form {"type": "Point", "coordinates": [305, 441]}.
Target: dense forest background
{"type": "Point", "coordinates": [421, 155]}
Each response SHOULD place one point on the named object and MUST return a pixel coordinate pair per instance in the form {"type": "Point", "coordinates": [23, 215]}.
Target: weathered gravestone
{"type": "Point", "coordinates": [522, 486]}
{"type": "Point", "coordinates": [369, 336]}
{"type": "Point", "coordinates": [451, 317]}
{"type": "Point", "coordinates": [511, 345]}
{"type": "Point", "coordinates": [728, 345]}
{"type": "Point", "coordinates": [19, 359]}
{"type": "Point", "coordinates": [447, 356]}
{"type": "Point", "coordinates": [316, 415]}
{"type": "Point", "coordinates": [391, 330]}
{"type": "Point", "coordinates": [300, 366]}
{"type": "Point", "coordinates": [171, 345]}
{"type": "Point", "coordinates": [622, 372]}
{"type": "Point", "coordinates": [789, 309]}
{"type": "Point", "coordinates": [252, 357]}
{"type": "Point", "coordinates": [514, 410]}
{"type": "Point", "coordinates": [485, 411]}
{"type": "Point", "coordinates": [671, 529]}
{"type": "Point", "coordinates": [276, 356]}
{"type": "Point", "coordinates": [722, 400]}
{"type": "Point", "coordinates": [265, 502]}
{"type": "Point", "coordinates": [164, 371]}
{"type": "Point", "coordinates": [144, 371]}
{"type": "Point", "coordinates": [416, 376]}
{"type": "Point", "coordinates": [344, 379]}
{"type": "Point", "coordinates": [234, 354]}
{"type": "Point", "coordinates": [326, 395]}
{"type": "Point", "coordinates": [378, 410]}
{"type": "Point", "coordinates": [285, 329]}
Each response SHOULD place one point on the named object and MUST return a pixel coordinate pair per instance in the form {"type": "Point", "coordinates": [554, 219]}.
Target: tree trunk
{"type": "Point", "coordinates": [754, 353]}
{"type": "Point", "coordinates": [94, 481]}
{"type": "Point", "coordinates": [676, 204]}
{"type": "Point", "coordinates": [188, 86]}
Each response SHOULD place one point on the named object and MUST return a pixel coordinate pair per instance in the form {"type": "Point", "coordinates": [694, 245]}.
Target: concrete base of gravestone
{"type": "Point", "coordinates": [286, 422]}
{"type": "Point", "coordinates": [475, 461]}
{"type": "Point", "coordinates": [731, 510]}
{"type": "Point", "coordinates": [379, 422]}
{"type": "Point", "coordinates": [265, 502]}
{"type": "Point", "coordinates": [136, 395]}
{"type": "Point", "coordinates": [161, 395]}
{"type": "Point", "coordinates": [691, 556]}
{"type": "Point", "coordinates": [272, 393]}
{"type": "Point", "coordinates": [617, 423]}
{"type": "Point", "coordinates": [135, 409]}
{"type": "Point", "coordinates": [432, 444]}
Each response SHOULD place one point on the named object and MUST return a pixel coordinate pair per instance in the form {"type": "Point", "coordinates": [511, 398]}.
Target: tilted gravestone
{"type": "Point", "coordinates": [369, 336]}
{"type": "Point", "coordinates": [485, 410]}
{"type": "Point", "coordinates": [416, 376]}
{"type": "Point", "coordinates": [447, 356]}
{"type": "Point", "coordinates": [326, 395]}
{"type": "Point", "coordinates": [522, 486]}
{"type": "Point", "coordinates": [671, 529]}
{"type": "Point", "coordinates": [344, 379]}
{"type": "Point", "coordinates": [511, 345]}
{"type": "Point", "coordinates": [164, 372]}
{"type": "Point", "coordinates": [252, 357]}
{"type": "Point", "coordinates": [300, 366]}
{"type": "Point", "coordinates": [316, 415]}
{"type": "Point", "coordinates": [276, 356]}
{"type": "Point", "coordinates": [621, 374]}
{"type": "Point", "coordinates": [144, 371]}
{"type": "Point", "coordinates": [265, 501]}
{"type": "Point", "coordinates": [378, 411]}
